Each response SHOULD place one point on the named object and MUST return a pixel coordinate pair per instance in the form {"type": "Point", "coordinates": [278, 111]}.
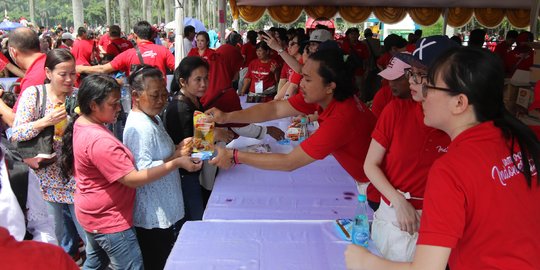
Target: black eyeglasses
{"type": "Point", "coordinates": [418, 77]}
{"type": "Point", "coordinates": [425, 88]}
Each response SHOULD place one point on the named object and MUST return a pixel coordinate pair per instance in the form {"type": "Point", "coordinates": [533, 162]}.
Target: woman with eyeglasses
{"type": "Point", "coordinates": [289, 79]}
{"type": "Point", "coordinates": [482, 200]}
{"type": "Point", "coordinates": [400, 155]}
{"type": "Point", "coordinates": [107, 175]}
{"type": "Point", "coordinates": [159, 206]}
{"type": "Point", "coordinates": [202, 50]}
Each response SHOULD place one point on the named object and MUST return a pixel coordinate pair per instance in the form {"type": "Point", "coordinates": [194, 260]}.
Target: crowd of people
{"type": "Point", "coordinates": [418, 123]}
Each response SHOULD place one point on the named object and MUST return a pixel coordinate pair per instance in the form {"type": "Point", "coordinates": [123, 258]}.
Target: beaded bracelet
{"type": "Point", "coordinates": [235, 156]}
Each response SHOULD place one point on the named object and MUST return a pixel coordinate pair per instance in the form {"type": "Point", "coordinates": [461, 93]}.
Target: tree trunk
{"type": "Point", "coordinates": [148, 11]}
{"type": "Point", "coordinates": [124, 15]}
{"type": "Point", "coordinates": [189, 8]}
{"type": "Point", "coordinates": [32, 7]}
{"type": "Point", "coordinates": [108, 12]}
{"type": "Point", "coordinates": [144, 3]}
{"type": "Point", "coordinates": [78, 13]}
{"type": "Point", "coordinates": [167, 7]}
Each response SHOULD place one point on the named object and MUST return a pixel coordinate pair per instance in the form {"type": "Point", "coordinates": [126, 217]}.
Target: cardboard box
{"type": "Point", "coordinates": [510, 93]}
{"type": "Point", "coordinates": [534, 74]}
{"type": "Point", "coordinates": [521, 78]}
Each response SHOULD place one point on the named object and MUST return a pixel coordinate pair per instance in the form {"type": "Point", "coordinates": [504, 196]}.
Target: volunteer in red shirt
{"type": "Point", "coordinates": [286, 87]}
{"type": "Point", "coordinates": [84, 48]}
{"type": "Point", "coordinates": [354, 48]}
{"type": "Point", "coordinates": [400, 155]}
{"type": "Point", "coordinates": [248, 49]}
{"type": "Point", "coordinates": [25, 51]}
{"type": "Point", "coordinates": [260, 77]}
{"type": "Point", "coordinates": [202, 50]}
{"type": "Point", "coordinates": [115, 44]}
{"type": "Point", "coordinates": [393, 44]}
{"type": "Point", "coordinates": [397, 88]}
{"type": "Point", "coordinates": [152, 54]}
{"type": "Point", "coordinates": [482, 200]}
{"type": "Point", "coordinates": [522, 56]}
{"type": "Point", "coordinates": [345, 122]}
{"type": "Point", "coordinates": [505, 46]}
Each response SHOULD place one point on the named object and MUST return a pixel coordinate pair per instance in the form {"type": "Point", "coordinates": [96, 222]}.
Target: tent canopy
{"type": "Point", "coordinates": [489, 13]}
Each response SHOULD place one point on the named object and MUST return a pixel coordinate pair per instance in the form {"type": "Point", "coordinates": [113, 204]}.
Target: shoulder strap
{"type": "Point", "coordinates": [43, 102]}
{"type": "Point", "coordinates": [138, 52]}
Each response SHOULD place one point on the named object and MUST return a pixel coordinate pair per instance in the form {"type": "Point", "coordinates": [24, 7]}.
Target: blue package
{"type": "Point", "coordinates": [204, 155]}
{"type": "Point", "coordinates": [284, 142]}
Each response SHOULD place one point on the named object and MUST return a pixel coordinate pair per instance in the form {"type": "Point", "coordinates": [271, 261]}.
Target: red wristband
{"type": "Point", "coordinates": [235, 156]}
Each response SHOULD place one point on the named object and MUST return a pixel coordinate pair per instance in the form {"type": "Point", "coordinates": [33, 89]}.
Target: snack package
{"type": "Point", "coordinates": [203, 137]}
{"type": "Point", "coordinates": [344, 228]}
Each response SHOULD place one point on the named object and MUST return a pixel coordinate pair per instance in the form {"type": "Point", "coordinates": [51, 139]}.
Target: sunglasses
{"type": "Point", "coordinates": [418, 77]}
{"type": "Point", "coordinates": [425, 88]}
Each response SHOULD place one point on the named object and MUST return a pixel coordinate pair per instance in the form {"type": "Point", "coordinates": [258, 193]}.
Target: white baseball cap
{"type": "Point", "coordinates": [394, 69]}
{"type": "Point", "coordinates": [320, 35]}
{"type": "Point", "coordinates": [68, 36]}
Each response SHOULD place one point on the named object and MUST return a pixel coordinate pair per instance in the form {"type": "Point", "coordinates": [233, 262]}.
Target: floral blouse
{"type": "Point", "coordinates": [52, 184]}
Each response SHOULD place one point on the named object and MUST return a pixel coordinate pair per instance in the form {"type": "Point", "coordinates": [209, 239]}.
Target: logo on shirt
{"type": "Point", "coordinates": [150, 54]}
{"type": "Point", "coordinates": [442, 149]}
{"type": "Point", "coordinates": [510, 168]}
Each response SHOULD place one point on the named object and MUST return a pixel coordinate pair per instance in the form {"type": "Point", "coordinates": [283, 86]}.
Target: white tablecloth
{"type": "Point", "coordinates": [247, 245]}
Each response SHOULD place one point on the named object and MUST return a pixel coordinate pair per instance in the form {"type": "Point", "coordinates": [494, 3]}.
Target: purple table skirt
{"type": "Point", "coordinates": [264, 245]}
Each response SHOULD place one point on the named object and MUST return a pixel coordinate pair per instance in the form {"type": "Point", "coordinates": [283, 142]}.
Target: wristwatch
{"type": "Point", "coordinates": [280, 51]}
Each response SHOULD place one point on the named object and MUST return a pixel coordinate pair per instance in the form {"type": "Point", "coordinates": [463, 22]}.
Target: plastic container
{"type": "Point", "coordinates": [360, 229]}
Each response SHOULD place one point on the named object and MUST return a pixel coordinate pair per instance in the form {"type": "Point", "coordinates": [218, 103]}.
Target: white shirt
{"type": "Point", "coordinates": [188, 45]}
{"type": "Point", "coordinates": [40, 223]}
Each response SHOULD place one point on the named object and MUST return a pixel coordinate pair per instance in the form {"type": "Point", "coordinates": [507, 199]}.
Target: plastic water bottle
{"type": "Point", "coordinates": [303, 129]}
{"type": "Point", "coordinates": [125, 98]}
{"type": "Point", "coordinates": [360, 230]}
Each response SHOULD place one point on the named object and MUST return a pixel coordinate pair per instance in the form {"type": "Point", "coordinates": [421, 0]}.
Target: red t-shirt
{"type": "Point", "coordinates": [104, 41]}
{"type": "Point", "coordinates": [381, 99]}
{"type": "Point", "coordinates": [32, 254]}
{"type": "Point", "coordinates": [360, 49]}
{"type": "Point", "coordinates": [478, 204]}
{"type": "Point", "coordinates": [410, 47]}
{"type": "Point", "coordinates": [249, 52]}
{"type": "Point", "coordinates": [411, 147]}
{"type": "Point", "coordinates": [3, 61]}
{"type": "Point", "coordinates": [513, 61]}
{"type": "Point", "coordinates": [117, 46]}
{"type": "Point", "coordinates": [286, 72]}
{"type": "Point", "coordinates": [502, 49]}
{"type": "Point", "coordinates": [259, 71]}
{"type": "Point", "coordinates": [82, 51]}
{"type": "Point", "coordinates": [344, 131]}
{"type": "Point", "coordinates": [102, 203]}
{"type": "Point", "coordinates": [35, 75]}
{"type": "Point", "coordinates": [206, 55]}
{"type": "Point", "coordinates": [295, 78]}
{"type": "Point", "coordinates": [152, 54]}
{"type": "Point", "coordinates": [224, 65]}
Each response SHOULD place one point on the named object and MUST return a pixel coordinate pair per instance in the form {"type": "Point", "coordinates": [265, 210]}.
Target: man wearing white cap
{"type": "Point", "coordinates": [67, 41]}
{"type": "Point", "coordinates": [397, 88]}
{"type": "Point", "coordinates": [408, 148]}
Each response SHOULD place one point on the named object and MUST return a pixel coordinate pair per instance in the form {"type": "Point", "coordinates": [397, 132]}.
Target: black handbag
{"type": "Point", "coordinates": [38, 152]}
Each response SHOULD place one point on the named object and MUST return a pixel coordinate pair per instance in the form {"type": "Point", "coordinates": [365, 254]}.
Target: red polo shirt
{"type": "Point", "coordinates": [206, 55]}
{"type": "Point", "coordinates": [82, 51]}
{"type": "Point", "coordinates": [35, 75]}
{"type": "Point", "coordinates": [117, 46]}
{"type": "Point", "coordinates": [360, 49]}
{"type": "Point", "coordinates": [249, 52]}
{"type": "Point", "coordinates": [152, 54]}
{"type": "Point", "coordinates": [411, 147]}
{"type": "Point", "coordinates": [381, 99]}
{"type": "Point", "coordinates": [480, 206]}
{"type": "Point", "coordinates": [344, 131]}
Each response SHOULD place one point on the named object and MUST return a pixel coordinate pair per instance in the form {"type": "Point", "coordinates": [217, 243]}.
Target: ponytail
{"type": "Point", "coordinates": [67, 157]}
{"type": "Point", "coordinates": [515, 131]}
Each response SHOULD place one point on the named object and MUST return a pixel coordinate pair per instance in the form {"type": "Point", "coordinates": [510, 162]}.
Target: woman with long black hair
{"type": "Point", "coordinates": [482, 200]}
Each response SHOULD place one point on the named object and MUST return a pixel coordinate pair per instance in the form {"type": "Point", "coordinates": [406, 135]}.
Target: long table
{"type": "Point", "coordinates": [264, 245]}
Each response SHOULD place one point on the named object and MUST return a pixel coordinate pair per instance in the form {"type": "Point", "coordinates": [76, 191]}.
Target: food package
{"type": "Point", "coordinates": [203, 137]}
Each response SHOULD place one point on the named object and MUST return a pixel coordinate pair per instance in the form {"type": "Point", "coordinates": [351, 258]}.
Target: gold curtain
{"type": "Point", "coordinates": [425, 16]}
{"type": "Point", "coordinates": [355, 14]}
{"type": "Point", "coordinates": [489, 17]}
{"type": "Point", "coordinates": [320, 11]}
{"type": "Point", "coordinates": [234, 9]}
{"type": "Point", "coordinates": [389, 14]}
{"type": "Point", "coordinates": [458, 17]}
{"type": "Point", "coordinates": [285, 14]}
{"type": "Point", "coordinates": [519, 18]}
{"type": "Point", "coordinates": [251, 13]}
